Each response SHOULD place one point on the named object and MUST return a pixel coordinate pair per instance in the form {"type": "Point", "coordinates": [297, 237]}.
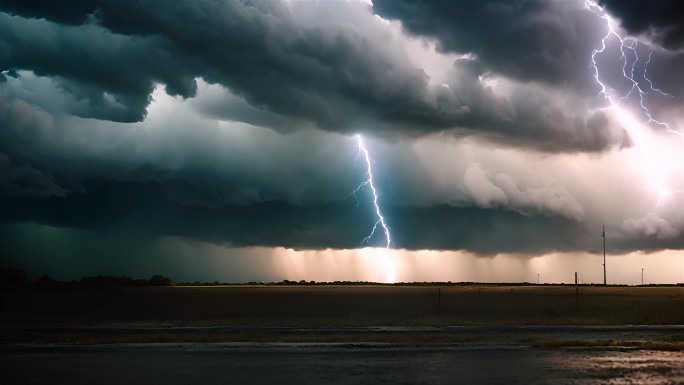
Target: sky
{"type": "Point", "coordinates": [216, 140]}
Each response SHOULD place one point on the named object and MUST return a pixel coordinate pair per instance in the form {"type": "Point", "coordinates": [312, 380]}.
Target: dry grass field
{"type": "Point", "coordinates": [334, 306]}
{"type": "Point", "coordinates": [315, 306]}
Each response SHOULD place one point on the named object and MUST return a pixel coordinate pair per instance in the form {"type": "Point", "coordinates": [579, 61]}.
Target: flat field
{"type": "Point", "coordinates": [253, 313]}
{"type": "Point", "coordinates": [315, 306]}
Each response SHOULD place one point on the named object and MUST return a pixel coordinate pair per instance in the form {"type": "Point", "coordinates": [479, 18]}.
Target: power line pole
{"type": "Point", "coordinates": [642, 276]}
{"type": "Point", "coordinates": [603, 234]}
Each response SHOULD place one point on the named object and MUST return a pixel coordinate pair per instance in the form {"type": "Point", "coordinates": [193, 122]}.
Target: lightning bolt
{"type": "Point", "coordinates": [629, 45]}
{"type": "Point", "coordinates": [370, 183]}
{"type": "Point", "coordinates": [650, 83]}
{"type": "Point", "coordinates": [626, 45]}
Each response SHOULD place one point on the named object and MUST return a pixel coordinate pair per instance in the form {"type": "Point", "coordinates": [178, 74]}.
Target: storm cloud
{"type": "Point", "coordinates": [529, 40]}
{"type": "Point", "coordinates": [345, 74]}
{"type": "Point", "coordinates": [662, 21]}
{"type": "Point", "coordinates": [231, 123]}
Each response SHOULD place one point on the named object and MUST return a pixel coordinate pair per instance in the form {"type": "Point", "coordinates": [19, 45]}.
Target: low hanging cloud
{"type": "Point", "coordinates": [143, 210]}
{"type": "Point", "coordinates": [348, 74]}
{"type": "Point", "coordinates": [159, 178]}
{"type": "Point", "coordinates": [231, 123]}
{"type": "Point", "coordinates": [528, 40]}
{"type": "Point", "coordinates": [25, 180]}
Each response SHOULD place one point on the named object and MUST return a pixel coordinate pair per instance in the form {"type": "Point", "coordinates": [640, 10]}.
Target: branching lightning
{"type": "Point", "coordinates": [650, 83]}
{"type": "Point", "coordinates": [371, 184]}
{"type": "Point", "coordinates": [629, 45]}
{"type": "Point", "coordinates": [626, 44]}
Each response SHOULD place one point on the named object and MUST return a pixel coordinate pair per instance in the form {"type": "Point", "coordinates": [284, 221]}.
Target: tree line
{"type": "Point", "coordinates": [14, 276]}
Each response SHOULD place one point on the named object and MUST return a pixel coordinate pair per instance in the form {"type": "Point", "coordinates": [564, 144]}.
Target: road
{"type": "Point", "coordinates": [270, 363]}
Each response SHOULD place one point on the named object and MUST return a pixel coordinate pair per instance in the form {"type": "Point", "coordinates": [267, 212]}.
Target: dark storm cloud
{"type": "Point", "coordinates": [261, 51]}
{"type": "Point", "coordinates": [105, 71]}
{"type": "Point", "coordinates": [144, 211]}
{"type": "Point", "coordinates": [551, 43]}
{"type": "Point", "coordinates": [660, 20]}
{"type": "Point", "coordinates": [290, 68]}
{"type": "Point", "coordinates": [530, 40]}
{"type": "Point", "coordinates": [196, 160]}
{"type": "Point", "coordinates": [25, 180]}
{"type": "Point", "coordinates": [226, 164]}
{"type": "Point", "coordinates": [175, 171]}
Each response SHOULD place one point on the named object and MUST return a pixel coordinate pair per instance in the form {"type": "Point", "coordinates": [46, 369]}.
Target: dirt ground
{"type": "Point", "coordinates": [345, 306]}
{"type": "Point", "coordinates": [343, 335]}
{"type": "Point", "coordinates": [35, 315]}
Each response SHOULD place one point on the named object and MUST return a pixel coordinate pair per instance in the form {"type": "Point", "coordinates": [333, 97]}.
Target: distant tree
{"type": "Point", "coordinates": [160, 280]}
{"type": "Point", "coordinates": [47, 281]}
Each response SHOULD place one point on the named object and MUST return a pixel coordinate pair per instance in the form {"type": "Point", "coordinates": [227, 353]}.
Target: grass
{"type": "Point", "coordinates": [345, 306]}
{"type": "Point", "coordinates": [25, 311]}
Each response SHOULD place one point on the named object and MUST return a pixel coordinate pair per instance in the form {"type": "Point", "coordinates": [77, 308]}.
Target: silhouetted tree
{"type": "Point", "coordinates": [160, 280]}
{"type": "Point", "coordinates": [47, 281]}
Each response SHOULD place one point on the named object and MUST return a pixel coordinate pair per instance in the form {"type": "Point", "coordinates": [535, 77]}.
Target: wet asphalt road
{"type": "Point", "coordinates": [249, 363]}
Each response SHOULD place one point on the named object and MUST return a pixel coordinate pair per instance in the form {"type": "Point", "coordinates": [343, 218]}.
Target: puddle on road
{"type": "Point", "coordinates": [622, 367]}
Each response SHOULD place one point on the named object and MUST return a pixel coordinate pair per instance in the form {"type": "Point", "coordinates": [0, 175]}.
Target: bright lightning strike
{"type": "Point", "coordinates": [650, 83]}
{"type": "Point", "coordinates": [664, 194]}
{"type": "Point", "coordinates": [370, 183]}
{"type": "Point", "coordinates": [626, 45]}
{"type": "Point", "coordinates": [629, 45]}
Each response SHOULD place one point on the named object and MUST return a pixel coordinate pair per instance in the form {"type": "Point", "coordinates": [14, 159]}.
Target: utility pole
{"type": "Point", "coordinates": [642, 276]}
{"type": "Point", "coordinates": [537, 278]}
{"type": "Point", "coordinates": [603, 234]}
{"type": "Point", "coordinates": [577, 290]}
